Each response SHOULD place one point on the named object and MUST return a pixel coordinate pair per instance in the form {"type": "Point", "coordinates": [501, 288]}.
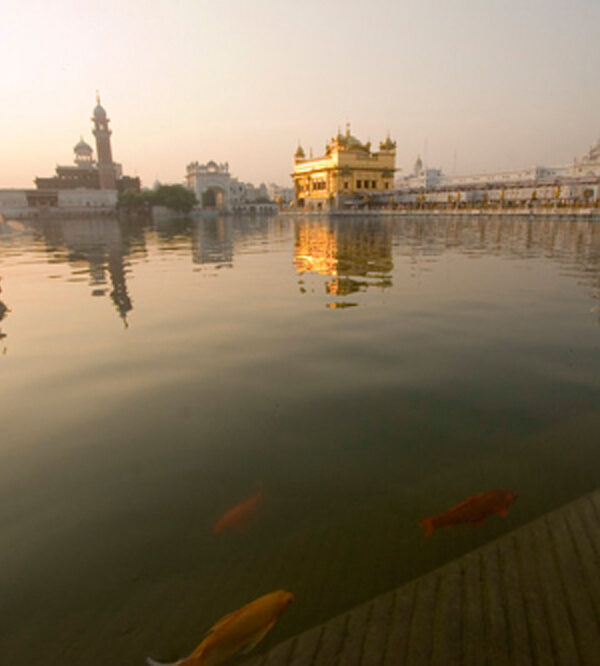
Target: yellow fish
{"type": "Point", "coordinates": [238, 631]}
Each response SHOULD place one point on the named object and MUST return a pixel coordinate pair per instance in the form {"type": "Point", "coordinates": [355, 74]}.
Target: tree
{"type": "Point", "coordinates": [175, 197]}
{"type": "Point", "coordinates": [131, 200]}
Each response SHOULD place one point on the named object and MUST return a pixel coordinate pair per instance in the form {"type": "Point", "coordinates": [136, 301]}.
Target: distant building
{"type": "Point", "coordinates": [348, 175]}
{"type": "Point", "coordinates": [89, 186]}
{"type": "Point", "coordinates": [103, 174]}
{"type": "Point", "coordinates": [280, 195]}
{"type": "Point", "coordinates": [571, 184]}
{"type": "Point", "coordinates": [215, 188]}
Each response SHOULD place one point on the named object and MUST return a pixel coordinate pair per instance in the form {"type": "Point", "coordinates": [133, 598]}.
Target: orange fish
{"type": "Point", "coordinates": [238, 631]}
{"type": "Point", "coordinates": [241, 514]}
{"type": "Point", "coordinates": [474, 509]}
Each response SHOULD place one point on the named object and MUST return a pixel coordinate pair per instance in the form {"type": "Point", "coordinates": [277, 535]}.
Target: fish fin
{"type": "Point", "coordinates": [427, 525]}
{"type": "Point", "coordinates": [258, 636]}
{"type": "Point", "coordinates": [467, 502]}
{"type": "Point", "coordinates": [503, 513]}
{"type": "Point", "coordinates": [225, 620]}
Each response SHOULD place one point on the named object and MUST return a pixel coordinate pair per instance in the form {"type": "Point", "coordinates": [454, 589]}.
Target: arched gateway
{"type": "Point", "coordinates": [211, 183]}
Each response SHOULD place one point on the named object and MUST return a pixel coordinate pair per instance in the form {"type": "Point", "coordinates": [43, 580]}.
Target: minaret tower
{"type": "Point", "coordinates": [106, 168]}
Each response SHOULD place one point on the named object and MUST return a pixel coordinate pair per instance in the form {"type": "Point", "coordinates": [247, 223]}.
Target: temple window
{"type": "Point", "coordinates": [358, 184]}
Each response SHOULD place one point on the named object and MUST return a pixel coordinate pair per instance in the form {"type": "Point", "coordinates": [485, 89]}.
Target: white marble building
{"type": "Point", "coordinates": [279, 194]}
{"type": "Point", "coordinates": [216, 188]}
{"type": "Point", "coordinates": [13, 203]}
{"type": "Point", "coordinates": [212, 178]}
{"type": "Point", "coordinates": [578, 182]}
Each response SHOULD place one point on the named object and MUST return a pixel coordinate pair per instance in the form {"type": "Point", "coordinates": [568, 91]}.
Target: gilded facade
{"type": "Point", "coordinates": [346, 176]}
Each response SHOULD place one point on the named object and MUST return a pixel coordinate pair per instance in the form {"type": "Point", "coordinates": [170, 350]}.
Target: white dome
{"type": "Point", "coordinates": [83, 148]}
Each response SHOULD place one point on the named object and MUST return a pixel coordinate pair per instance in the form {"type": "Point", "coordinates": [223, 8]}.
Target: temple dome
{"type": "Point", "coordinates": [349, 141]}
{"type": "Point", "coordinates": [83, 148]}
{"type": "Point", "coordinates": [353, 142]}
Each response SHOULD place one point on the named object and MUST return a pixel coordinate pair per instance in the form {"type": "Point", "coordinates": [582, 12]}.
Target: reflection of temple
{"type": "Point", "coordinates": [345, 249]}
{"type": "Point", "coordinates": [103, 245]}
{"type": "Point", "coordinates": [212, 241]}
{"type": "Point", "coordinates": [316, 249]}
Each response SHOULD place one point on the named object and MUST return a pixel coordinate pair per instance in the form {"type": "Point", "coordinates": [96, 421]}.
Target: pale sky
{"type": "Point", "coordinates": [471, 85]}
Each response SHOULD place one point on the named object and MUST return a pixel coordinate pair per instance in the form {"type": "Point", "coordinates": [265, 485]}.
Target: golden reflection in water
{"type": "Point", "coordinates": [344, 250]}
{"type": "Point", "coordinates": [336, 305]}
{"type": "Point", "coordinates": [315, 250]}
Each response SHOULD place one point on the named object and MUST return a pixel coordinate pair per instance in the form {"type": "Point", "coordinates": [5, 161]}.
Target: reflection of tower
{"type": "Point", "coordinates": [118, 295]}
{"type": "Point", "coordinates": [3, 311]}
{"type": "Point", "coordinates": [106, 168]}
{"type": "Point", "coordinates": [105, 245]}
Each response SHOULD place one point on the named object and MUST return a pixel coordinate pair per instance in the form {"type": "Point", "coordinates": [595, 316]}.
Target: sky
{"type": "Point", "coordinates": [470, 85]}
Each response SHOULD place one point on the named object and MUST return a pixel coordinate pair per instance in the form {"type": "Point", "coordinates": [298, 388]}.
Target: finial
{"type": "Point", "coordinates": [347, 129]}
{"type": "Point", "coordinates": [97, 97]}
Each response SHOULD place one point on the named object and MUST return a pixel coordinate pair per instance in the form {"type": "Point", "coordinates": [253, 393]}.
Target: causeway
{"type": "Point", "coordinates": [529, 598]}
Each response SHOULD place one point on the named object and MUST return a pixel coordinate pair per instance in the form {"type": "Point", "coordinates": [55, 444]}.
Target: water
{"type": "Point", "coordinates": [363, 373]}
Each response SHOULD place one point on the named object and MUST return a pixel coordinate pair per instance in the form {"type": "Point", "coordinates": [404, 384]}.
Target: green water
{"type": "Point", "coordinates": [155, 375]}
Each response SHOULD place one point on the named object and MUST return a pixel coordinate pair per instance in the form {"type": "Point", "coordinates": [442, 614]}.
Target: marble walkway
{"type": "Point", "coordinates": [530, 598]}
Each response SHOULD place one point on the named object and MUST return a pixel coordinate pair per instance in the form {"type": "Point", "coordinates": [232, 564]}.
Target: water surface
{"type": "Point", "coordinates": [363, 373]}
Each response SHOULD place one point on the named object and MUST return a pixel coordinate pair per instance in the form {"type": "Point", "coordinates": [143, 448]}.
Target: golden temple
{"type": "Point", "coordinates": [346, 176]}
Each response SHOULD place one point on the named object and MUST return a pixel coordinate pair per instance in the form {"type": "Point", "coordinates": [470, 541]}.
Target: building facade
{"type": "Point", "coordinates": [282, 196]}
{"type": "Point", "coordinates": [215, 188]}
{"type": "Point", "coordinates": [567, 185]}
{"type": "Point", "coordinates": [89, 174]}
{"type": "Point", "coordinates": [348, 175]}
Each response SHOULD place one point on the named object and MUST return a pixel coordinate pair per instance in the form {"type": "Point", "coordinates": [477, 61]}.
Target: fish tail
{"type": "Point", "coordinates": [428, 525]}
{"type": "Point", "coordinates": [151, 662]}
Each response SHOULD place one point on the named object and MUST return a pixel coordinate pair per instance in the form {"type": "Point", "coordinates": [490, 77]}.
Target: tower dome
{"type": "Point", "coordinates": [418, 166]}
{"type": "Point", "coordinates": [99, 112]}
